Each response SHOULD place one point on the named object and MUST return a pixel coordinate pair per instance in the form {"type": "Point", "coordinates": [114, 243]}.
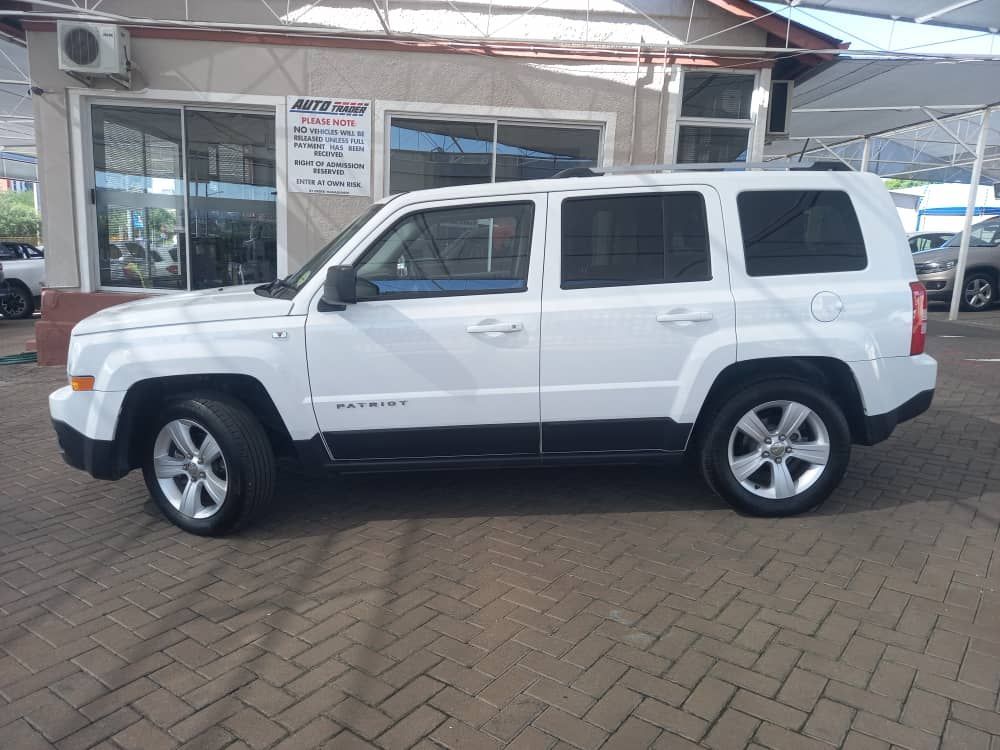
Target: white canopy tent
{"type": "Point", "coordinates": [979, 15]}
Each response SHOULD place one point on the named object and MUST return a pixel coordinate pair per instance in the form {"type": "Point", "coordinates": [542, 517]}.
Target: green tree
{"type": "Point", "coordinates": [18, 217]}
{"type": "Point", "coordinates": [892, 183]}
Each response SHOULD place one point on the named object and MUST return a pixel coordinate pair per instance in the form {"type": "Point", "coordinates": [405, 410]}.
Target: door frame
{"type": "Point", "coordinates": [82, 164]}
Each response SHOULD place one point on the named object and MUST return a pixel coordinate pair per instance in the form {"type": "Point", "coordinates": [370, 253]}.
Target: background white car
{"type": "Point", "coordinates": [24, 267]}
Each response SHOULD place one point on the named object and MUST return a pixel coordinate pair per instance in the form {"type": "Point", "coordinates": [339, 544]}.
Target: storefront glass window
{"type": "Point", "coordinates": [530, 152]}
{"type": "Point", "coordinates": [231, 197]}
{"type": "Point", "coordinates": [427, 153]}
{"type": "Point", "coordinates": [139, 197]}
{"type": "Point", "coordinates": [436, 153]}
{"type": "Point", "coordinates": [148, 237]}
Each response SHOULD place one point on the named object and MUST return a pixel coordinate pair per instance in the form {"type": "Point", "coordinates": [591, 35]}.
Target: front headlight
{"type": "Point", "coordinates": [936, 266]}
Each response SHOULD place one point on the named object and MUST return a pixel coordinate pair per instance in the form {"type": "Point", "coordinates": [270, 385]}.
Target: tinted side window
{"type": "Point", "coordinates": [468, 250]}
{"type": "Point", "coordinates": [634, 239]}
{"type": "Point", "coordinates": [9, 252]}
{"type": "Point", "coordinates": [800, 231]}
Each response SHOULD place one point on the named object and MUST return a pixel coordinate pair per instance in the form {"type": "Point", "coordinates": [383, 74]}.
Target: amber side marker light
{"type": "Point", "coordinates": [82, 382]}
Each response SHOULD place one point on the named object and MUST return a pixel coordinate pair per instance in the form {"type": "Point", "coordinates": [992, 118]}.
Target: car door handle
{"type": "Point", "coordinates": [685, 316]}
{"type": "Point", "coordinates": [495, 328]}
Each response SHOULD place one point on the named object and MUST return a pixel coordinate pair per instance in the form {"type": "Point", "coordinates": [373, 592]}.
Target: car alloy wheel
{"type": "Point", "coordinates": [978, 292]}
{"type": "Point", "coordinates": [779, 449]}
{"type": "Point", "coordinates": [190, 468]}
{"type": "Point", "coordinates": [13, 305]}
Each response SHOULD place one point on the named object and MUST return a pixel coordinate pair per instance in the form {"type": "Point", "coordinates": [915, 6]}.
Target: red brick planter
{"type": "Point", "coordinates": [61, 311]}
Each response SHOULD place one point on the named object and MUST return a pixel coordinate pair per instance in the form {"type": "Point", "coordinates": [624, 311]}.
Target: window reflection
{"type": "Point", "coordinates": [138, 196]}
{"type": "Point", "coordinates": [231, 196]}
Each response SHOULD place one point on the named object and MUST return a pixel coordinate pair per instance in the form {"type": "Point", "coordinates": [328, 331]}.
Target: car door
{"type": "Point", "coordinates": [439, 357]}
{"type": "Point", "coordinates": [637, 315]}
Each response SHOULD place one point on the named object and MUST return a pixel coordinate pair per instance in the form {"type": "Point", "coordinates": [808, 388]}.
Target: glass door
{"type": "Point", "coordinates": [231, 198]}
{"type": "Point", "coordinates": [139, 197]}
{"type": "Point", "coordinates": [184, 198]}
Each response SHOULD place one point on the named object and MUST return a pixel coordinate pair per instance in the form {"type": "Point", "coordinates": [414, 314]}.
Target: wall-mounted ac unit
{"type": "Point", "coordinates": [779, 113]}
{"type": "Point", "coordinates": [93, 49]}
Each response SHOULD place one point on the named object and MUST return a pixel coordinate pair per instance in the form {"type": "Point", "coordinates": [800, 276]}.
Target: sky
{"type": "Point", "coordinates": [874, 33]}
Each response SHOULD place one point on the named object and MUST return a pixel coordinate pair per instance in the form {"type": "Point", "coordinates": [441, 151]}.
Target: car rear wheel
{"type": "Point", "coordinates": [776, 448]}
{"type": "Point", "coordinates": [18, 304]}
{"type": "Point", "coordinates": [979, 291]}
{"type": "Point", "coordinates": [208, 464]}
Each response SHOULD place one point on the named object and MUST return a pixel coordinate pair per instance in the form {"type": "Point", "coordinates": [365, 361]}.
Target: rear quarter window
{"type": "Point", "coordinates": [789, 232]}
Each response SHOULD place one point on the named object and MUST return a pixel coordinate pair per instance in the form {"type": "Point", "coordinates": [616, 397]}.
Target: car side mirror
{"type": "Point", "coordinates": [340, 289]}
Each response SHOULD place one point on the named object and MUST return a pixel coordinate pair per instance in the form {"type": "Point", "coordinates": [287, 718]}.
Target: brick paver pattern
{"type": "Point", "coordinates": [585, 608]}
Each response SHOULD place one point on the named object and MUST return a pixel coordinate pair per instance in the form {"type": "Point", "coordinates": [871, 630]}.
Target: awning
{"type": "Point", "coordinates": [922, 117]}
{"type": "Point", "coordinates": [979, 15]}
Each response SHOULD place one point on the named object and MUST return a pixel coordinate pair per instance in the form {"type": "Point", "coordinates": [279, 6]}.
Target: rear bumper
{"type": "Point", "coordinates": [879, 427]}
{"type": "Point", "coordinates": [99, 458]}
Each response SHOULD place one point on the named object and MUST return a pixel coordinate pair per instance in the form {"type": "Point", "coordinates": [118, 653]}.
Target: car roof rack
{"type": "Point", "coordinates": [817, 165]}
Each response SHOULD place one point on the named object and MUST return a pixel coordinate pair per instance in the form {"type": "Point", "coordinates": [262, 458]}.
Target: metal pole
{"type": "Point", "coordinates": [958, 288]}
{"type": "Point", "coordinates": [866, 154]}
{"type": "Point", "coordinates": [635, 102]}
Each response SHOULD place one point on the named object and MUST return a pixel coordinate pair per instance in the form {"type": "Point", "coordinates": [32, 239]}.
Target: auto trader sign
{"type": "Point", "coordinates": [329, 146]}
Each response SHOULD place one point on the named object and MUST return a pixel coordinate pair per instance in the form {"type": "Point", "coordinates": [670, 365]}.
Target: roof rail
{"type": "Point", "coordinates": [730, 166]}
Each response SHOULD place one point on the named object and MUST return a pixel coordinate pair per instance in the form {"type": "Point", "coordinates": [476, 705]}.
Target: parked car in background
{"type": "Point", "coordinates": [920, 241]}
{"type": "Point", "coordinates": [4, 289]}
{"type": "Point", "coordinates": [24, 266]}
{"type": "Point", "coordinates": [132, 264]}
{"type": "Point", "coordinates": [936, 268]}
{"type": "Point", "coordinates": [427, 335]}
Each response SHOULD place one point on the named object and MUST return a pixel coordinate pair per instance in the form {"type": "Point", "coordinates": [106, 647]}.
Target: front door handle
{"type": "Point", "coordinates": [495, 328]}
{"type": "Point", "coordinates": [685, 316]}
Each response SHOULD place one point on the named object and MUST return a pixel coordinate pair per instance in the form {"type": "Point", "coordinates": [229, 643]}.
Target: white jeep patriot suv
{"type": "Point", "coordinates": [759, 321]}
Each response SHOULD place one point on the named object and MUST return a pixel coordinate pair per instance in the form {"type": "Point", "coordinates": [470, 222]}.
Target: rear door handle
{"type": "Point", "coordinates": [495, 328]}
{"type": "Point", "coordinates": [685, 316]}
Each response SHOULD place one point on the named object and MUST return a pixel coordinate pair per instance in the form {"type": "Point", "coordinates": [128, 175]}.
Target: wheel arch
{"type": "Point", "coordinates": [145, 397]}
{"type": "Point", "coordinates": [829, 373]}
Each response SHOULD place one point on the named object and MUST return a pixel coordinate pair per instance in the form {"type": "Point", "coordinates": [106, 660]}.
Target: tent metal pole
{"type": "Point", "coordinates": [866, 154]}
{"type": "Point", "coordinates": [958, 288]}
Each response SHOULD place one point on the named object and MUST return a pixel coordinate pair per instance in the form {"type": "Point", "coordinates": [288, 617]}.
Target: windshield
{"type": "Point", "coordinates": [984, 234]}
{"type": "Point", "coordinates": [301, 277]}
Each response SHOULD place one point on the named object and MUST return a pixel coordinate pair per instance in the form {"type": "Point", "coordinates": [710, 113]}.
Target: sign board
{"type": "Point", "coordinates": [329, 146]}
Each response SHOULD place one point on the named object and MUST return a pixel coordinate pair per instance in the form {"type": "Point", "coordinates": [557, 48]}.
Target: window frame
{"type": "Point", "coordinates": [743, 242]}
{"type": "Point", "coordinates": [82, 165]}
{"type": "Point", "coordinates": [662, 194]}
{"type": "Point", "coordinates": [758, 112]}
{"type": "Point", "coordinates": [383, 112]}
{"type": "Point", "coordinates": [372, 245]}
{"type": "Point", "coordinates": [496, 123]}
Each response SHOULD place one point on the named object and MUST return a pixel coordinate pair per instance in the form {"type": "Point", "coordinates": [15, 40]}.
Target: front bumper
{"type": "Point", "coordinates": [938, 285]}
{"type": "Point", "coordinates": [86, 424]}
{"type": "Point", "coordinates": [99, 458]}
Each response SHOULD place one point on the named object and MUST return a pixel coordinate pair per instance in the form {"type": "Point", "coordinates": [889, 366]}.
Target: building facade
{"type": "Point", "coordinates": [222, 162]}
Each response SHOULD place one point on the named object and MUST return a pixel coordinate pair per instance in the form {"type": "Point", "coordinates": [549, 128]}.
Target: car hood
{"type": "Point", "coordinates": [233, 303]}
{"type": "Point", "coordinates": [936, 256]}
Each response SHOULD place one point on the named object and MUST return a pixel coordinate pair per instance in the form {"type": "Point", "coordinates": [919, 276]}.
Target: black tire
{"type": "Point", "coordinates": [17, 305]}
{"type": "Point", "coordinates": [248, 454]}
{"type": "Point", "coordinates": [982, 278]}
{"type": "Point", "coordinates": [721, 420]}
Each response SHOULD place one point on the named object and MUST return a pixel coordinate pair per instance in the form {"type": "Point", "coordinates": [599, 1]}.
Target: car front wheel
{"type": "Point", "coordinates": [208, 464]}
{"type": "Point", "coordinates": [17, 305]}
{"type": "Point", "coordinates": [979, 291]}
{"type": "Point", "coordinates": [776, 448]}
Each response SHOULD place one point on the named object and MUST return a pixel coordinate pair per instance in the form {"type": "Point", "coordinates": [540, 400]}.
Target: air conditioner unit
{"type": "Point", "coordinates": [93, 49]}
{"type": "Point", "coordinates": [779, 112]}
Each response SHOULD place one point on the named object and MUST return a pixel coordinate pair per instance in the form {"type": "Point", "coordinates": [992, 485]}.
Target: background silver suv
{"type": "Point", "coordinates": [936, 268]}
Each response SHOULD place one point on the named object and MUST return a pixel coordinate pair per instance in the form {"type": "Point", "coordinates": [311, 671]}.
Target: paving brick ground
{"type": "Point", "coordinates": [586, 608]}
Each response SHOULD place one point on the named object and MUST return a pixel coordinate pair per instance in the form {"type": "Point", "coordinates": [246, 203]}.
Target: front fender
{"type": "Point", "coordinates": [270, 350]}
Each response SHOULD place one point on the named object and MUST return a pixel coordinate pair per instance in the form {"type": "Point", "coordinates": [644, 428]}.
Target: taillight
{"type": "Point", "coordinates": [172, 270]}
{"type": "Point", "coordinates": [918, 333]}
